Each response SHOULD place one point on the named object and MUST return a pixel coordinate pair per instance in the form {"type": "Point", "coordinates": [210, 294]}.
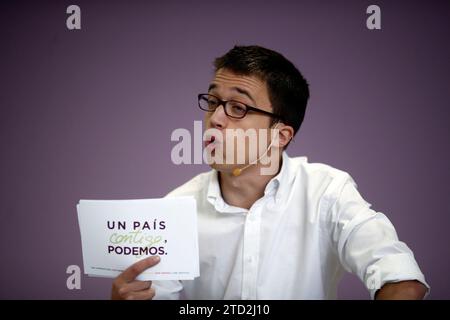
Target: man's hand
{"type": "Point", "coordinates": [403, 290]}
{"type": "Point", "coordinates": [125, 287]}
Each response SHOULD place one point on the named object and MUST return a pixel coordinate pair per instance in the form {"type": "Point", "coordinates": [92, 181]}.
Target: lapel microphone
{"type": "Point", "coordinates": [237, 171]}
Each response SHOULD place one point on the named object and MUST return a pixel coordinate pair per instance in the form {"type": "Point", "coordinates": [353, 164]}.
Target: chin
{"type": "Point", "coordinates": [222, 167]}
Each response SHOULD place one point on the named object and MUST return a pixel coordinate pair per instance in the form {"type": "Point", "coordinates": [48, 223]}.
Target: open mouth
{"type": "Point", "coordinates": [210, 141]}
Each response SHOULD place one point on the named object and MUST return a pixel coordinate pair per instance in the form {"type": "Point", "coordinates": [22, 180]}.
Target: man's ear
{"type": "Point", "coordinates": [285, 134]}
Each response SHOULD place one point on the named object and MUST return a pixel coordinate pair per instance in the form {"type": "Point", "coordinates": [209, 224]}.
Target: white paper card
{"type": "Point", "coordinates": [117, 233]}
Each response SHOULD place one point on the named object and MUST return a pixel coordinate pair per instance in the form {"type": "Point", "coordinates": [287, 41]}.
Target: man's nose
{"type": "Point", "coordinates": [218, 118]}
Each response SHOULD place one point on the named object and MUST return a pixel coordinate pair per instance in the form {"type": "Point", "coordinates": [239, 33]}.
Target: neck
{"type": "Point", "coordinates": [242, 191]}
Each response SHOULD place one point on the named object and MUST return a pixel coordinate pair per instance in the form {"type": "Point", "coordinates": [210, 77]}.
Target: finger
{"type": "Point", "coordinates": [134, 286]}
{"type": "Point", "coordinates": [134, 270]}
{"type": "Point", "coordinates": [141, 295]}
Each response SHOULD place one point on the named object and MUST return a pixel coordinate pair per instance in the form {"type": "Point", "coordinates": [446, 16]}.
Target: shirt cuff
{"type": "Point", "coordinates": [393, 268]}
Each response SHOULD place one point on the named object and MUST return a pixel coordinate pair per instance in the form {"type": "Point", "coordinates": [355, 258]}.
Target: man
{"type": "Point", "coordinates": [285, 235]}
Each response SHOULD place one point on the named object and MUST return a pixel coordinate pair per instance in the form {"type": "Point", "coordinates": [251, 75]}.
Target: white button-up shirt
{"type": "Point", "coordinates": [294, 242]}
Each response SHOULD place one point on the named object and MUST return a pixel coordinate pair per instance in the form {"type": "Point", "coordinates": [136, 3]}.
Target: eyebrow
{"type": "Point", "coordinates": [239, 90]}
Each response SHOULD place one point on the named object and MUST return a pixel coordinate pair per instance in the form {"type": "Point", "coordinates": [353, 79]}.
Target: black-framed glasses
{"type": "Point", "coordinates": [233, 109]}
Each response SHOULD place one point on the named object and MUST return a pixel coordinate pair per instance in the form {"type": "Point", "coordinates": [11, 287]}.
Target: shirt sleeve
{"type": "Point", "coordinates": [167, 290]}
{"type": "Point", "coordinates": [366, 241]}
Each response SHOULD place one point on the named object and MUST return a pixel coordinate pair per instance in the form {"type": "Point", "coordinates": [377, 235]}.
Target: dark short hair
{"type": "Point", "coordinates": [288, 89]}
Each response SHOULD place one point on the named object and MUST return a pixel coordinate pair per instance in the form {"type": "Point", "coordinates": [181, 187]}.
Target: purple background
{"type": "Point", "coordinates": [89, 113]}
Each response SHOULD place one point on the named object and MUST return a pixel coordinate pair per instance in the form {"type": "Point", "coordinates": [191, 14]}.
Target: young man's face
{"type": "Point", "coordinates": [251, 91]}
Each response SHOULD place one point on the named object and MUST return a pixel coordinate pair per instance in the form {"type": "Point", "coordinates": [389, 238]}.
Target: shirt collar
{"type": "Point", "coordinates": [214, 196]}
{"type": "Point", "coordinates": [277, 187]}
{"type": "Point", "coordinates": [280, 185]}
